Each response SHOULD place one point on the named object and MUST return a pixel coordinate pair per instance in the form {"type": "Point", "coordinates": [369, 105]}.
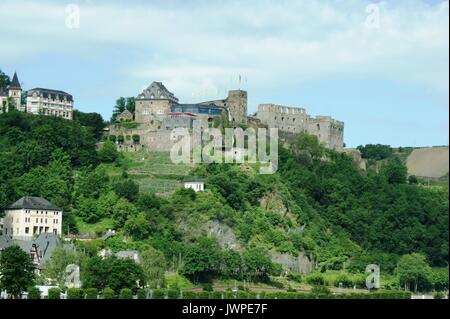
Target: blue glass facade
{"type": "Point", "coordinates": [192, 108]}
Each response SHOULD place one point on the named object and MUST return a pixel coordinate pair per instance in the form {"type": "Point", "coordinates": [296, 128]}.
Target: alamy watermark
{"type": "Point", "coordinates": [208, 145]}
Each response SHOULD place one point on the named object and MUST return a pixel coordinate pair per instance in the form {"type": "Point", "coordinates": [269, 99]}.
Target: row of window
{"type": "Point", "coordinates": [43, 221]}
{"type": "Point", "coordinates": [41, 212]}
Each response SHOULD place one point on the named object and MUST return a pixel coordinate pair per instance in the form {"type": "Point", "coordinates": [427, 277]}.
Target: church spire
{"type": "Point", "coordinates": [15, 84]}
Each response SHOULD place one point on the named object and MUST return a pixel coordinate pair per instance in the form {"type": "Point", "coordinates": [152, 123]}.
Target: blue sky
{"type": "Point", "coordinates": [387, 81]}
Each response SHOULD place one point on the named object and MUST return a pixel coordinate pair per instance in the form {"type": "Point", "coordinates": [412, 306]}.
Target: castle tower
{"type": "Point", "coordinates": [15, 92]}
{"type": "Point", "coordinates": [237, 106]}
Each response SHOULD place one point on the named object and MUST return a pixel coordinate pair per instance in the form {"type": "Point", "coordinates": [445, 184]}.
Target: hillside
{"type": "Point", "coordinates": [430, 162]}
{"type": "Point", "coordinates": [317, 221]}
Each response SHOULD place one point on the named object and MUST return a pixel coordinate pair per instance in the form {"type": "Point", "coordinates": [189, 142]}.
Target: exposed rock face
{"type": "Point", "coordinates": [224, 234]}
{"type": "Point", "coordinates": [300, 264]}
{"type": "Point", "coordinates": [273, 202]}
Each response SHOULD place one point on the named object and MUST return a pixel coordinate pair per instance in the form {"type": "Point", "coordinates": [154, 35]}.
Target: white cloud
{"type": "Point", "coordinates": [202, 44]}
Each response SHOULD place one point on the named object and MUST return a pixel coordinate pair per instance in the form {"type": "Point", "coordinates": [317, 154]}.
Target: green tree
{"type": "Point", "coordinates": [154, 266]}
{"type": "Point", "coordinates": [108, 153]}
{"type": "Point", "coordinates": [4, 80]}
{"type": "Point", "coordinates": [202, 260]}
{"type": "Point", "coordinates": [127, 188]}
{"type": "Point", "coordinates": [413, 270]}
{"type": "Point", "coordinates": [395, 171]}
{"type": "Point", "coordinates": [59, 260]}
{"type": "Point", "coordinates": [17, 271]}
{"type": "Point", "coordinates": [258, 265]}
{"type": "Point", "coordinates": [138, 226]}
{"type": "Point", "coordinates": [34, 293]}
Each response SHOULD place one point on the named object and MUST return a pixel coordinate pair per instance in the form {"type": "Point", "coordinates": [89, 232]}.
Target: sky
{"type": "Point", "coordinates": [382, 67]}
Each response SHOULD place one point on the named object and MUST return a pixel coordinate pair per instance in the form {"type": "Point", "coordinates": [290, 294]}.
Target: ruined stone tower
{"type": "Point", "coordinates": [236, 104]}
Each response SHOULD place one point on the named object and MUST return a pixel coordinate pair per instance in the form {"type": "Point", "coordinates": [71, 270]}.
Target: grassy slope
{"type": "Point", "coordinates": [153, 171]}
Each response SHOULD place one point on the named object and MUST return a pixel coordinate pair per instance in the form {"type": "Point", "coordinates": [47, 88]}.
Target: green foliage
{"type": "Point", "coordinates": [127, 188]}
{"type": "Point", "coordinates": [136, 138]}
{"type": "Point", "coordinates": [258, 264]}
{"type": "Point", "coordinates": [376, 152]}
{"type": "Point", "coordinates": [60, 259]}
{"type": "Point", "coordinates": [34, 293]}
{"type": "Point", "coordinates": [122, 104]}
{"type": "Point", "coordinates": [111, 272]}
{"type": "Point", "coordinates": [142, 294]}
{"type": "Point", "coordinates": [395, 171]}
{"type": "Point", "coordinates": [413, 271]}
{"type": "Point", "coordinates": [54, 293]}
{"type": "Point", "coordinates": [108, 293]}
{"type": "Point", "coordinates": [92, 121]}
{"type": "Point", "coordinates": [16, 269]}
{"type": "Point", "coordinates": [91, 293]}
{"type": "Point", "coordinates": [153, 263]}
{"type": "Point", "coordinates": [126, 293]}
{"type": "Point", "coordinates": [4, 80]}
{"type": "Point", "coordinates": [108, 153]}
{"type": "Point", "coordinates": [201, 260]}
{"type": "Point", "coordinates": [75, 293]}
{"type": "Point", "coordinates": [315, 279]}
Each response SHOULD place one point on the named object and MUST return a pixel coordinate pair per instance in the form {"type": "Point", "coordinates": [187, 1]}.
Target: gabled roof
{"type": "Point", "coordinates": [193, 180]}
{"type": "Point", "coordinates": [157, 91]}
{"type": "Point", "coordinates": [29, 202]}
{"type": "Point", "coordinates": [15, 84]}
{"type": "Point", "coordinates": [50, 93]}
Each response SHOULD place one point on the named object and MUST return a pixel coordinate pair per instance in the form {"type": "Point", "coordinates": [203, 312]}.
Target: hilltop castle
{"type": "Point", "coordinates": [158, 112]}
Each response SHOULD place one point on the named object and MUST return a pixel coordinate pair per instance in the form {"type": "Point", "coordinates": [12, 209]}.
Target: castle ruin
{"type": "Point", "coordinates": [158, 112]}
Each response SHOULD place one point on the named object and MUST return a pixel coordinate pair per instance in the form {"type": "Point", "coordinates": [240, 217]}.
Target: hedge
{"type": "Point", "coordinates": [74, 293]}
{"type": "Point", "coordinates": [34, 293]}
{"type": "Point", "coordinates": [91, 293]}
{"type": "Point", "coordinates": [54, 293]}
{"type": "Point", "coordinates": [108, 293]}
{"type": "Point", "coordinates": [126, 293]}
{"type": "Point", "coordinates": [387, 294]}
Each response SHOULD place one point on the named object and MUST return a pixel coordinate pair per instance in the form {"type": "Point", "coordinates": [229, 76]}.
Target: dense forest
{"type": "Point", "coordinates": [318, 204]}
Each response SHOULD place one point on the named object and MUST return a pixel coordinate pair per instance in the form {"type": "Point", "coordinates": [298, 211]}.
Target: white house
{"type": "Point", "coordinates": [32, 216]}
{"type": "Point", "coordinates": [197, 184]}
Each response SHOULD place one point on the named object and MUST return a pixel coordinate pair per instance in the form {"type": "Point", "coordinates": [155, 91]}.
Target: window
{"type": "Point", "coordinates": [27, 230]}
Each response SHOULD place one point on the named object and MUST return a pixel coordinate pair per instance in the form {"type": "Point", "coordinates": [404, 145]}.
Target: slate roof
{"type": "Point", "coordinates": [29, 202]}
{"type": "Point", "coordinates": [50, 93]}
{"type": "Point", "coordinates": [193, 180]}
{"type": "Point", "coordinates": [45, 244]}
{"type": "Point", "coordinates": [15, 84]}
{"type": "Point", "coordinates": [157, 91]}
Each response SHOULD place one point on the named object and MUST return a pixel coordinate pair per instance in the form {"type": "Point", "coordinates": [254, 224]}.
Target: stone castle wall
{"type": "Point", "coordinates": [329, 131]}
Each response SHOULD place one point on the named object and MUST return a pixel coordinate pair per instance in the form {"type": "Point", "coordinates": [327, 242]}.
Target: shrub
{"type": "Point", "coordinates": [207, 286]}
{"type": "Point", "coordinates": [315, 279]}
{"type": "Point", "coordinates": [136, 139]}
{"type": "Point", "coordinates": [54, 293]}
{"type": "Point", "coordinates": [321, 292]}
{"type": "Point", "coordinates": [91, 293]}
{"type": "Point", "coordinates": [108, 293]}
{"type": "Point", "coordinates": [142, 294]}
{"type": "Point", "coordinates": [113, 138]}
{"type": "Point", "coordinates": [344, 280]}
{"type": "Point", "coordinates": [439, 295]}
{"type": "Point", "coordinates": [294, 276]}
{"type": "Point", "coordinates": [34, 293]}
{"type": "Point", "coordinates": [173, 294]}
{"type": "Point", "coordinates": [159, 294]}
{"type": "Point", "coordinates": [126, 293]}
{"type": "Point", "coordinates": [189, 295]}
{"type": "Point", "coordinates": [74, 293]}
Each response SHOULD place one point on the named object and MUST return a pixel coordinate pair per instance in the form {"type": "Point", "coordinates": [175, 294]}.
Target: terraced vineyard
{"type": "Point", "coordinates": [155, 172]}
